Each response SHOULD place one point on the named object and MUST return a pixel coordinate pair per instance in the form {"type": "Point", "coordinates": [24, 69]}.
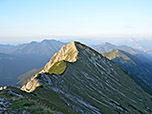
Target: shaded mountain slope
{"type": "Point", "coordinates": [130, 63]}
{"type": "Point", "coordinates": [5, 48]}
{"type": "Point", "coordinates": [104, 47]}
{"type": "Point", "coordinates": [46, 47]}
{"type": "Point", "coordinates": [11, 67]}
{"type": "Point", "coordinates": [89, 83]}
{"type": "Point", "coordinates": [40, 51]}
{"type": "Point", "coordinates": [107, 47]}
{"type": "Point", "coordinates": [17, 60]}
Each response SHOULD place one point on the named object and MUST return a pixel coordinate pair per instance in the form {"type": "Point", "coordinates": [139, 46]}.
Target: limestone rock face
{"type": "Point", "coordinates": [68, 53]}
{"type": "Point", "coordinates": [31, 85]}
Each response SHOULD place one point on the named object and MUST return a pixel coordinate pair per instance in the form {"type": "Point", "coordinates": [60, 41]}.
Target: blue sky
{"type": "Point", "coordinates": [24, 20]}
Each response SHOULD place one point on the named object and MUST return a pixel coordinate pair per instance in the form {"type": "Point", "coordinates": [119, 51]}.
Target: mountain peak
{"type": "Point", "coordinates": [87, 82]}
{"type": "Point", "coordinates": [68, 53]}
{"type": "Point", "coordinates": [106, 43]}
{"type": "Point", "coordinates": [116, 53]}
{"type": "Point", "coordinates": [57, 65]}
{"type": "Point", "coordinates": [116, 50]}
{"type": "Point", "coordinates": [105, 47]}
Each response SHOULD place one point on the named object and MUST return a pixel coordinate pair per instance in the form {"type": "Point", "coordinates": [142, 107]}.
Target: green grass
{"type": "Point", "coordinates": [114, 54]}
{"type": "Point", "coordinates": [54, 100]}
{"type": "Point", "coordinates": [25, 104]}
{"type": "Point", "coordinates": [29, 102]}
{"type": "Point", "coordinates": [57, 68]}
{"type": "Point", "coordinates": [21, 104]}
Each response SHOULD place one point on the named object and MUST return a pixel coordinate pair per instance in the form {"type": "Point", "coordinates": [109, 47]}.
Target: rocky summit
{"type": "Point", "coordinates": [79, 80]}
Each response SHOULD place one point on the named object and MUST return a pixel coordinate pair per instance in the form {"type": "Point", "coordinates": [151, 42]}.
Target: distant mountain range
{"type": "Point", "coordinates": [128, 58]}
{"type": "Point", "coordinates": [107, 47]}
{"type": "Point", "coordinates": [131, 63]}
{"type": "Point", "coordinates": [79, 80]}
{"type": "Point", "coordinates": [17, 60]}
{"type": "Point", "coordinates": [12, 66]}
{"type": "Point", "coordinates": [5, 48]}
{"type": "Point", "coordinates": [43, 48]}
{"type": "Point", "coordinates": [144, 46]}
{"type": "Point", "coordinates": [136, 63]}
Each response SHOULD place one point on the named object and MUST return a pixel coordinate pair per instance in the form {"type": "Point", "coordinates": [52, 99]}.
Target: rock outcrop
{"type": "Point", "coordinates": [68, 53]}
{"type": "Point", "coordinates": [85, 82]}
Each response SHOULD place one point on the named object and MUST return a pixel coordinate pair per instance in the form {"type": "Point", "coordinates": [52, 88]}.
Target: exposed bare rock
{"type": "Point", "coordinates": [68, 53]}
{"type": "Point", "coordinates": [31, 85]}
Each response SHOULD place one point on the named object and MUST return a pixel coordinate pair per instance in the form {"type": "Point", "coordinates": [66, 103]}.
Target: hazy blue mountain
{"type": "Point", "coordinates": [24, 57]}
{"type": "Point", "coordinates": [107, 47]}
{"type": "Point", "coordinates": [80, 80]}
{"type": "Point", "coordinates": [5, 48]}
{"type": "Point", "coordinates": [131, 63]}
{"type": "Point", "coordinates": [139, 44]}
{"type": "Point", "coordinates": [104, 47]}
{"type": "Point", "coordinates": [11, 67]}
{"type": "Point", "coordinates": [38, 50]}
{"type": "Point", "coordinates": [144, 46]}
{"type": "Point", "coordinates": [45, 47]}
